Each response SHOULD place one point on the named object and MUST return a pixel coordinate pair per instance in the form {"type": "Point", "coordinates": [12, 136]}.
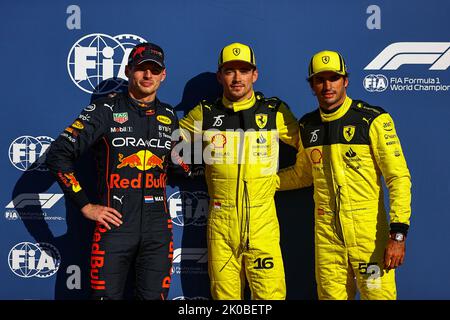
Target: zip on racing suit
{"type": "Point", "coordinates": [344, 154]}
{"type": "Point", "coordinates": [132, 145]}
{"type": "Point", "coordinates": [242, 230]}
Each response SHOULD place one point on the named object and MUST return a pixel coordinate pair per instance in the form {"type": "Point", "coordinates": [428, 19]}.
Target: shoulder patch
{"type": "Point", "coordinates": [164, 119]}
{"type": "Point", "coordinates": [271, 102]}
{"type": "Point", "coordinates": [90, 107]}
{"type": "Point", "coordinates": [274, 102]}
{"type": "Point", "coordinates": [259, 95]}
{"type": "Point", "coordinates": [367, 108]}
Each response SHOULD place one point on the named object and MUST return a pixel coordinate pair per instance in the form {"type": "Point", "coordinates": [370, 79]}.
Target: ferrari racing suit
{"type": "Point", "coordinates": [240, 150]}
{"type": "Point", "coordinates": [132, 144]}
{"type": "Point", "coordinates": [344, 154]}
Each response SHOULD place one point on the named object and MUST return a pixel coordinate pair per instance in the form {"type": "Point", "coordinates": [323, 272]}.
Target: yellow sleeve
{"type": "Point", "coordinates": [391, 161]}
{"type": "Point", "coordinates": [191, 124]}
{"type": "Point", "coordinates": [287, 126]}
{"type": "Point", "coordinates": [297, 176]}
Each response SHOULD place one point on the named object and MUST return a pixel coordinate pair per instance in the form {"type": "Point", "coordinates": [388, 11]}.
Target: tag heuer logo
{"type": "Point", "coordinates": [325, 59]}
{"type": "Point", "coordinates": [236, 51]}
{"type": "Point", "coordinates": [120, 117]}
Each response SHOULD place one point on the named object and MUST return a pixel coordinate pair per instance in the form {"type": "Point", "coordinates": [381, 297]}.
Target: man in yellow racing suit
{"type": "Point", "coordinates": [240, 149]}
{"type": "Point", "coordinates": [346, 146]}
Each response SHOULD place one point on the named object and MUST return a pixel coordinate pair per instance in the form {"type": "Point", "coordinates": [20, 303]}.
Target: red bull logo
{"type": "Point", "coordinates": [73, 181]}
{"type": "Point", "coordinates": [132, 160]}
{"type": "Point", "coordinates": [97, 259]}
{"type": "Point", "coordinates": [142, 160]}
{"type": "Point", "coordinates": [155, 161]}
{"type": "Point", "coordinates": [117, 182]}
{"type": "Point", "coordinates": [138, 51]}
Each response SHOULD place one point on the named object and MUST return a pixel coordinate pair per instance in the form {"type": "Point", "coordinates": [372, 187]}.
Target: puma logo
{"type": "Point", "coordinates": [118, 199]}
{"type": "Point", "coordinates": [107, 105]}
{"type": "Point", "coordinates": [367, 120]}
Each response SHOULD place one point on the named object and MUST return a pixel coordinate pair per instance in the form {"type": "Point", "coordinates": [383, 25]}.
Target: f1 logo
{"type": "Point", "coordinates": [44, 200]}
{"type": "Point", "coordinates": [400, 53]}
{"type": "Point", "coordinates": [200, 255]}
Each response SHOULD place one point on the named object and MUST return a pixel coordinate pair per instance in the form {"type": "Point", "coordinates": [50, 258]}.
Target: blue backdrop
{"type": "Point", "coordinates": [398, 57]}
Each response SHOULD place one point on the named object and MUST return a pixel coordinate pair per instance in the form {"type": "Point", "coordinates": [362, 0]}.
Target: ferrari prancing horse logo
{"type": "Point", "coordinates": [349, 132]}
{"type": "Point", "coordinates": [325, 59]}
{"type": "Point", "coordinates": [236, 51]}
{"type": "Point", "coordinates": [261, 120]}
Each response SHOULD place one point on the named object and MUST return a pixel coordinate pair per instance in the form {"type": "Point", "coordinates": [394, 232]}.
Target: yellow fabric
{"type": "Point", "coordinates": [340, 112]}
{"type": "Point", "coordinates": [191, 124]}
{"type": "Point", "coordinates": [327, 61]}
{"type": "Point", "coordinates": [239, 105]}
{"type": "Point", "coordinates": [287, 127]}
{"type": "Point", "coordinates": [392, 165]}
{"type": "Point", "coordinates": [243, 230]}
{"type": "Point", "coordinates": [237, 52]}
{"type": "Point", "coordinates": [351, 229]}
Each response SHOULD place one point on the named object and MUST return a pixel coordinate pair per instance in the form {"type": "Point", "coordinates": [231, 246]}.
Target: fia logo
{"type": "Point", "coordinates": [98, 57]}
{"type": "Point", "coordinates": [27, 153]}
{"type": "Point", "coordinates": [28, 260]}
{"type": "Point", "coordinates": [375, 83]}
{"type": "Point", "coordinates": [188, 208]}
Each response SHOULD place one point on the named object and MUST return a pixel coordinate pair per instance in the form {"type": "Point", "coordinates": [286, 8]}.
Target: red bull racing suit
{"type": "Point", "coordinates": [240, 150]}
{"type": "Point", "coordinates": [344, 154]}
{"type": "Point", "coordinates": [132, 145]}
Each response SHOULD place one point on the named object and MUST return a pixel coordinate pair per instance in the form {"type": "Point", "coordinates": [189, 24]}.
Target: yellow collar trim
{"type": "Point", "coordinates": [326, 117]}
{"type": "Point", "coordinates": [240, 105]}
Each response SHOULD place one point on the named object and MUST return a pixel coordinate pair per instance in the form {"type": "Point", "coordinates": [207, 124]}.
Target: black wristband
{"type": "Point", "coordinates": [399, 227]}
